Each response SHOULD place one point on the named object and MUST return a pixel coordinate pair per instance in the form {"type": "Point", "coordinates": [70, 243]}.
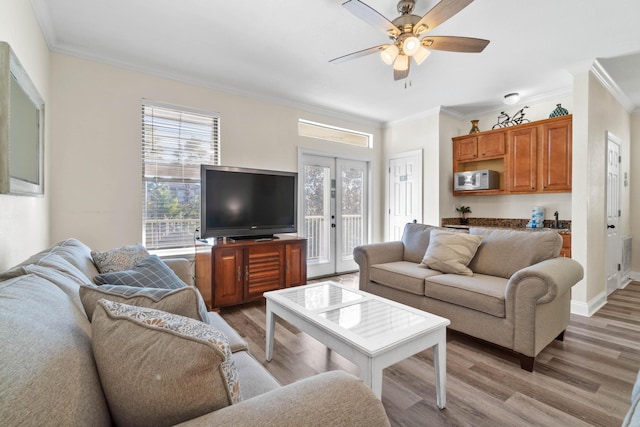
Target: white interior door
{"type": "Point", "coordinates": [334, 212]}
{"type": "Point", "coordinates": [614, 253]}
{"type": "Point", "coordinates": [405, 192]}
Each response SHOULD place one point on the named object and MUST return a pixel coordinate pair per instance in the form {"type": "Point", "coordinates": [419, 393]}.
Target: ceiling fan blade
{"type": "Point", "coordinates": [371, 17]}
{"type": "Point", "coordinates": [358, 54]}
{"type": "Point", "coordinates": [441, 12]}
{"type": "Point", "coordinates": [455, 44]}
{"type": "Point", "coordinates": [399, 75]}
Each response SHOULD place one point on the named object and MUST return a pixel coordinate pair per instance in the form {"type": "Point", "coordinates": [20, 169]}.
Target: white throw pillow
{"type": "Point", "coordinates": [451, 252]}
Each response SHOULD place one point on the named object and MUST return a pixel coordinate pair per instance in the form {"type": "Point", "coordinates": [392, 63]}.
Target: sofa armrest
{"type": "Point", "coordinates": [538, 302]}
{"type": "Point", "coordinates": [546, 280]}
{"type": "Point", "coordinates": [329, 399]}
{"type": "Point", "coordinates": [182, 268]}
{"type": "Point", "coordinates": [376, 253]}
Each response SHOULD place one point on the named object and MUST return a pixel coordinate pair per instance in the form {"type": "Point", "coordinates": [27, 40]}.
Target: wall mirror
{"type": "Point", "coordinates": [21, 129]}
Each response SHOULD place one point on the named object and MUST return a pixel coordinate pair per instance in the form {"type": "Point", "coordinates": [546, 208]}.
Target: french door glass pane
{"type": "Point", "coordinates": [317, 213]}
{"type": "Point", "coordinates": [352, 180]}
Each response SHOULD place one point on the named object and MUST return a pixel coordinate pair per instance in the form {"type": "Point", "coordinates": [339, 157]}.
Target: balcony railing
{"type": "Point", "coordinates": [318, 234]}
{"type": "Point", "coordinates": [172, 233]}
{"type": "Point", "coordinates": [169, 233]}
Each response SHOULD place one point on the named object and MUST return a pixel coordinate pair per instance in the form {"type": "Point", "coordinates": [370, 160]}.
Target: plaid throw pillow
{"type": "Point", "coordinates": [185, 301]}
{"type": "Point", "coordinates": [150, 273]}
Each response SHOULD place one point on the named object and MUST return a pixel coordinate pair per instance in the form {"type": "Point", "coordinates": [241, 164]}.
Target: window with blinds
{"type": "Point", "coordinates": [175, 142]}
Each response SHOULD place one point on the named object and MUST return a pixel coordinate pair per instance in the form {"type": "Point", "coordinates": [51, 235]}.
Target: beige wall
{"type": "Point", "coordinates": [24, 221]}
{"type": "Point", "coordinates": [96, 161]}
{"type": "Point", "coordinates": [420, 133]}
{"type": "Point", "coordinates": [433, 134]}
{"type": "Point", "coordinates": [598, 112]}
{"type": "Point", "coordinates": [634, 193]}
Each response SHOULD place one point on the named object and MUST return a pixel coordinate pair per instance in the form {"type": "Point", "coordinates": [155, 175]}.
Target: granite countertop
{"type": "Point", "coordinates": [520, 224]}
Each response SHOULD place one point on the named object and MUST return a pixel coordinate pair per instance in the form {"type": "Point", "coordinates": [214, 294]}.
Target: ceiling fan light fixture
{"type": "Point", "coordinates": [401, 63]}
{"type": "Point", "coordinates": [421, 55]}
{"type": "Point", "coordinates": [511, 98]}
{"type": "Point", "coordinates": [389, 54]}
{"type": "Point", "coordinates": [411, 45]}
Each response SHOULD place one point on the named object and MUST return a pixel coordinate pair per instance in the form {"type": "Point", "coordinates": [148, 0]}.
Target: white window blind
{"type": "Point", "coordinates": [175, 142]}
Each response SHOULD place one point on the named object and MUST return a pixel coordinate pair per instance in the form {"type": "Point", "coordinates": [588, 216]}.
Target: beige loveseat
{"type": "Point", "coordinates": [49, 375]}
{"type": "Point", "coordinates": [518, 295]}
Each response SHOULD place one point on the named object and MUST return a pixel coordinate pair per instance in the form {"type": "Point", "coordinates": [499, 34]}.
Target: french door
{"type": "Point", "coordinates": [334, 212]}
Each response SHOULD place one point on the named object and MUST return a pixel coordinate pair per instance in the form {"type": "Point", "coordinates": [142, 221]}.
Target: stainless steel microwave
{"type": "Point", "coordinates": [476, 180]}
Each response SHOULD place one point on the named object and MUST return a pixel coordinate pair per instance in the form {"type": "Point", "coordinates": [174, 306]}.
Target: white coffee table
{"type": "Point", "coordinates": [368, 330]}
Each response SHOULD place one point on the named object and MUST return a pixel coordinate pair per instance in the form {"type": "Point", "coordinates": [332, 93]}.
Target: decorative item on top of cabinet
{"type": "Point", "coordinates": [559, 111]}
{"type": "Point", "coordinates": [474, 127]}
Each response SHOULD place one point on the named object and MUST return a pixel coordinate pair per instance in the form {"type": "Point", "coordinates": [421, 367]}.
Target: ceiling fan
{"type": "Point", "coordinates": [405, 30]}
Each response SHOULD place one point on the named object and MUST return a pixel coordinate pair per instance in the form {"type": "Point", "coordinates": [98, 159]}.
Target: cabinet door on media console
{"type": "Point", "coordinates": [228, 275]}
{"type": "Point", "coordinates": [296, 263]}
{"type": "Point", "coordinates": [264, 269]}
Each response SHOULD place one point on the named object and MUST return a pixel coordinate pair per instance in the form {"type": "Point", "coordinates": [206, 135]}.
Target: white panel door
{"type": "Point", "coordinates": [614, 252]}
{"type": "Point", "coordinates": [405, 192]}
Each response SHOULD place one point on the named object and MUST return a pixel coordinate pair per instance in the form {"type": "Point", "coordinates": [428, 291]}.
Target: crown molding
{"type": "Point", "coordinates": [183, 78]}
{"type": "Point", "coordinates": [612, 87]}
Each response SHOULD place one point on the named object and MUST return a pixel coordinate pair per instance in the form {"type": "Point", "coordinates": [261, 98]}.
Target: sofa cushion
{"type": "Point", "coordinates": [478, 292]}
{"type": "Point", "coordinates": [150, 273]}
{"type": "Point", "coordinates": [451, 252]}
{"type": "Point", "coordinates": [48, 374]}
{"type": "Point", "coordinates": [235, 340]}
{"type": "Point", "coordinates": [503, 252]}
{"type": "Point", "coordinates": [255, 379]}
{"type": "Point", "coordinates": [402, 275]}
{"type": "Point", "coordinates": [118, 259]}
{"type": "Point", "coordinates": [173, 368]}
{"type": "Point", "coordinates": [184, 301]}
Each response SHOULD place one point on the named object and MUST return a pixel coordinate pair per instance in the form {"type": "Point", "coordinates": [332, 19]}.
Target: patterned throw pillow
{"type": "Point", "coordinates": [173, 368]}
{"type": "Point", "coordinates": [451, 252]}
{"type": "Point", "coordinates": [185, 301]}
{"type": "Point", "coordinates": [124, 258]}
{"type": "Point", "coordinates": [150, 273]}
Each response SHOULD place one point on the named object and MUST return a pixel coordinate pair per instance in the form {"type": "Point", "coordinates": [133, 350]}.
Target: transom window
{"type": "Point", "coordinates": [175, 142]}
{"type": "Point", "coordinates": [333, 133]}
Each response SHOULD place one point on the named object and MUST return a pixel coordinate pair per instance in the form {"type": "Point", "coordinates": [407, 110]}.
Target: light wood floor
{"type": "Point", "coordinates": [584, 381]}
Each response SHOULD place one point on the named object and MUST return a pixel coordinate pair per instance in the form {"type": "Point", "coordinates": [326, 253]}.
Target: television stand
{"type": "Point", "coordinates": [237, 272]}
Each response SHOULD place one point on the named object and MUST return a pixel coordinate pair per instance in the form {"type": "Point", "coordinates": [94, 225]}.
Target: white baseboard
{"type": "Point", "coordinates": [634, 275]}
{"type": "Point", "coordinates": [587, 309]}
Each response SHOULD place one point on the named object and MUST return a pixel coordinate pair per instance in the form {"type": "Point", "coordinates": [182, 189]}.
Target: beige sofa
{"type": "Point", "coordinates": [518, 296]}
{"type": "Point", "coordinates": [49, 376]}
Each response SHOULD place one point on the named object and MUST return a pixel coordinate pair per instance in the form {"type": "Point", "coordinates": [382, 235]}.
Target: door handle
{"type": "Point", "coordinates": [611, 226]}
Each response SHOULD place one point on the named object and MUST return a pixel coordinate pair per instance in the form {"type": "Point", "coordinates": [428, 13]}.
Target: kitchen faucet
{"type": "Point", "coordinates": [556, 223]}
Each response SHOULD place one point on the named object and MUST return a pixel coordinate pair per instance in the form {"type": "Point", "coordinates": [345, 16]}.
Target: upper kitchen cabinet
{"type": "Point", "coordinates": [556, 155]}
{"type": "Point", "coordinates": [523, 159]}
{"type": "Point", "coordinates": [530, 158]}
{"type": "Point", "coordinates": [477, 147]}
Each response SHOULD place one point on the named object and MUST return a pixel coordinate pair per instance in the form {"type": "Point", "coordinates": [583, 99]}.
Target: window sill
{"type": "Point", "coordinates": [174, 253]}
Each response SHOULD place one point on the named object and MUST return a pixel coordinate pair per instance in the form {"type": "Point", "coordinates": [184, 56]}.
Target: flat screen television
{"type": "Point", "coordinates": [247, 203]}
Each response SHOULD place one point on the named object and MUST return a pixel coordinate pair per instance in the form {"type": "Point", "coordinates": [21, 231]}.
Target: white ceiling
{"type": "Point", "coordinates": [280, 50]}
